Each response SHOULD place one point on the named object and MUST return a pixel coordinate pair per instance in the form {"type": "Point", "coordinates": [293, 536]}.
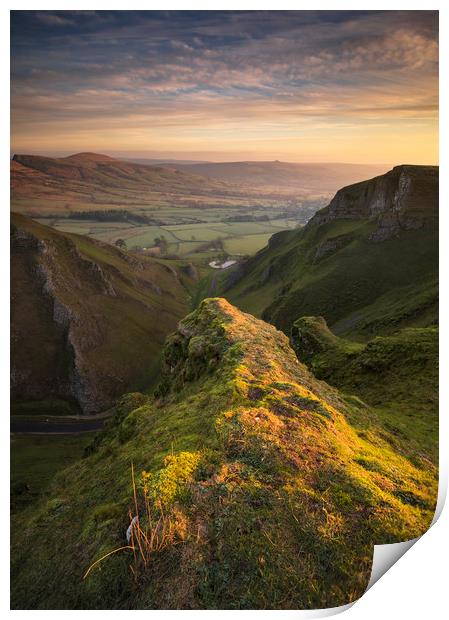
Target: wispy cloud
{"type": "Point", "coordinates": [49, 19]}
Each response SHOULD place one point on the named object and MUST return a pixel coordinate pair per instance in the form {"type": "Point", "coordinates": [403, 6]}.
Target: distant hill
{"type": "Point", "coordinates": [89, 181]}
{"type": "Point", "coordinates": [148, 161]}
{"type": "Point", "coordinates": [367, 263]}
{"type": "Point", "coordinates": [88, 320]}
{"type": "Point", "coordinates": [320, 178]}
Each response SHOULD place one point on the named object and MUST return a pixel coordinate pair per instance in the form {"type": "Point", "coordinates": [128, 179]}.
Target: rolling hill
{"type": "Point", "coordinates": [367, 263]}
{"type": "Point", "coordinates": [90, 180]}
{"type": "Point", "coordinates": [318, 178]}
{"type": "Point", "coordinates": [88, 320]}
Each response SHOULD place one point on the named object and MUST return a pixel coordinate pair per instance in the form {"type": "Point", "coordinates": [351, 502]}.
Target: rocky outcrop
{"type": "Point", "coordinates": [331, 245]}
{"type": "Point", "coordinates": [404, 198]}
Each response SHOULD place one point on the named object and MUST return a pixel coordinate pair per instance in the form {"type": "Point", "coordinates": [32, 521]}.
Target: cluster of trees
{"type": "Point", "coordinates": [246, 218]}
{"type": "Point", "coordinates": [115, 215]}
{"type": "Point", "coordinates": [215, 244]}
{"type": "Point", "coordinates": [121, 243]}
{"type": "Point", "coordinates": [161, 243]}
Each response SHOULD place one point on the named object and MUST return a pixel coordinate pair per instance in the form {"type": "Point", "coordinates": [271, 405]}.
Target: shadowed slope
{"type": "Point", "coordinates": [88, 321]}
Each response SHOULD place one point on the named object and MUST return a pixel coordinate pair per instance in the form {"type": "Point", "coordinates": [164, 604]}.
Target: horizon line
{"type": "Point", "coordinates": [184, 157]}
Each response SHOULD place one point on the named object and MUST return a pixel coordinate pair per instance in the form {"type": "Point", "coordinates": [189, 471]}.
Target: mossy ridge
{"type": "Point", "coordinates": [279, 506]}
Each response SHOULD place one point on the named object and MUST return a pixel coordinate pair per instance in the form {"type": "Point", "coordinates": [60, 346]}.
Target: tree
{"type": "Point", "coordinates": [121, 243]}
{"type": "Point", "coordinates": [161, 243]}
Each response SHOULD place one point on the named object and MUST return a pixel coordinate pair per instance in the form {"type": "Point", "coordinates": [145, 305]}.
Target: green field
{"type": "Point", "coordinates": [247, 244]}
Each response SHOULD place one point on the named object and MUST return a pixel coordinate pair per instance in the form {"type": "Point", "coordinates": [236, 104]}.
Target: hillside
{"type": "Point", "coordinates": [256, 486]}
{"type": "Point", "coordinates": [367, 262]}
{"type": "Point", "coordinates": [90, 180]}
{"type": "Point", "coordinates": [88, 321]}
{"type": "Point", "coordinates": [318, 178]}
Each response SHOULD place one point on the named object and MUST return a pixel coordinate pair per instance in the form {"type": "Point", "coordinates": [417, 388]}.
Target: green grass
{"type": "Point", "coordinates": [246, 244]}
{"type": "Point", "coordinates": [397, 375]}
{"type": "Point", "coordinates": [183, 239]}
{"type": "Point", "coordinates": [124, 308]}
{"type": "Point", "coordinates": [52, 407]}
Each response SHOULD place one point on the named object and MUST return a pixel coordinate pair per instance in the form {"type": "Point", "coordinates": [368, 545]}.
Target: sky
{"type": "Point", "coordinates": [305, 86]}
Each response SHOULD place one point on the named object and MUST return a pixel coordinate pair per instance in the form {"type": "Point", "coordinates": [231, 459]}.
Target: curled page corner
{"type": "Point", "coordinates": [385, 556]}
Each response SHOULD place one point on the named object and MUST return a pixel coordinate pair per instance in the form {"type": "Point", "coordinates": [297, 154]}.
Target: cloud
{"type": "Point", "coordinates": [252, 72]}
{"type": "Point", "coordinates": [50, 19]}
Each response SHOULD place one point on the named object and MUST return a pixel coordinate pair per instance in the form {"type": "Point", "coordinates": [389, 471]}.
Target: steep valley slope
{"type": "Point", "coordinates": [88, 320]}
{"type": "Point", "coordinates": [255, 486]}
{"type": "Point", "coordinates": [367, 262]}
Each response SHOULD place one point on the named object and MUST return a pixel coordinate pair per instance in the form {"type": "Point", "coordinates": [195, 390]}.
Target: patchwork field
{"type": "Point", "coordinates": [239, 238]}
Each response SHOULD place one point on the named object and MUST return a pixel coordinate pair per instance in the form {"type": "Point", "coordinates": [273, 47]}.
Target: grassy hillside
{"type": "Point", "coordinates": [255, 485]}
{"type": "Point", "coordinates": [97, 179]}
{"type": "Point", "coordinates": [364, 264]}
{"type": "Point", "coordinates": [89, 181]}
{"type": "Point", "coordinates": [88, 320]}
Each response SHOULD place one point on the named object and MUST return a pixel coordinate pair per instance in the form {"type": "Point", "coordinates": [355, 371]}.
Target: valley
{"type": "Point", "coordinates": [321, 414]}
{"type": "Point", "coordinates": [224, 308]}
{"type": "Point", "coordinates": [188, 204]}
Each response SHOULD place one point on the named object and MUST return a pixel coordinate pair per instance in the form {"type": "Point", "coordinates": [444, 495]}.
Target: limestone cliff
{"type": "Point", "coordinates": [404, 198]}
{"type": "Point", "coordinates": [88, 321]}
{"type": "Point", "coordinates": [367, 263]}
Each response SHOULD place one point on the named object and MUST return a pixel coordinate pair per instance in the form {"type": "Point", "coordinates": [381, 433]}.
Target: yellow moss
{"type": "Point", "coordinates": [169, 483]}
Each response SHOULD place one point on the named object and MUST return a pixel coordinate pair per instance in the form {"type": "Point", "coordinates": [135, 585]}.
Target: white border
{"type": "Point", "coordinates": [416, 586]}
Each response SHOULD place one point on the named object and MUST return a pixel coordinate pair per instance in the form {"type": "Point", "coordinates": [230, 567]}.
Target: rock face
{"type": "Point", "coordinates": [404, 198]}
{"type": "Point", "coordinates": [87, 319]}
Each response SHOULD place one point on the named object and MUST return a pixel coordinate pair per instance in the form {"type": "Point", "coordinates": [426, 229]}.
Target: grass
{"type": "Point", "coordinates": [241, 238]}
{"type": "Point", "coordinates": [121, 307]}
{"type": "Point", "coordinates": [36, 459]}
{"type": "Point", "coordinates": [247, 244]}
{"type": "Point", "coordinates": [274, 497]}
{"type": "Point", "coordinates": [47, 407]}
